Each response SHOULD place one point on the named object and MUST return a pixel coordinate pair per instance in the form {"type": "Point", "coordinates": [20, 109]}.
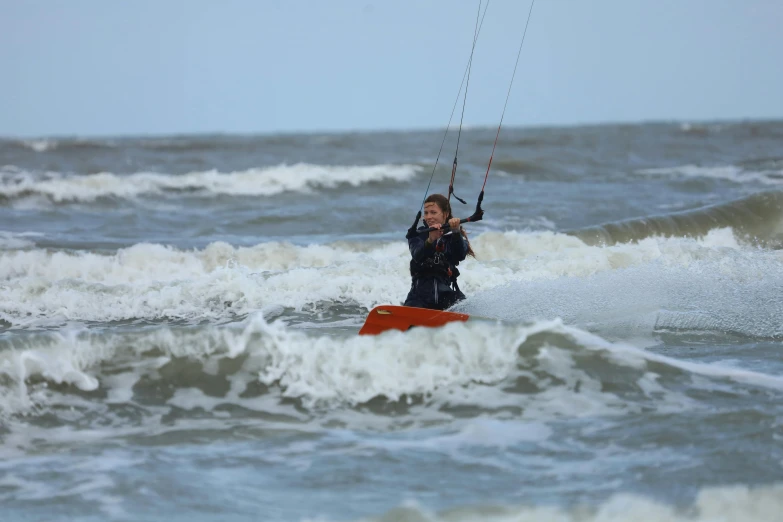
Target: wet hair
{"type": "Point", "coordinates": [445, 207]}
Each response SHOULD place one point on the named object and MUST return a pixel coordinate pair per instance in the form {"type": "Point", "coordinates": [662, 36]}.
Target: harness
{"type": "Point", "coordinates": [436, 266]}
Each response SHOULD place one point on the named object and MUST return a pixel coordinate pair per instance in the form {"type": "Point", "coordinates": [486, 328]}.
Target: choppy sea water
{"type": "Point", "coordinates": [179, 317]}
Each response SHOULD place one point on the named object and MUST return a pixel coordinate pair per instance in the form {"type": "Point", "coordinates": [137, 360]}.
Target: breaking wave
{"type": "Point", "coordinates": [540, 370]}
{"type": "Point", "coordinates": [672, 282]}
{"type": "Point", "coordinates": [756, 219]}
{"type": "Point", "coordinates": [269, 181]}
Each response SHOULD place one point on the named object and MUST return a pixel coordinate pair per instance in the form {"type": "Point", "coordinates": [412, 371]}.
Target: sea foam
{"type": "Point", "coordinates": [732, 173]}
{"type": "Point", "coordinates": [542, 370]}
{"type": "Point", "coordinates": [157, 282]}
{"type": "Point", "coordinates": [266, 181]}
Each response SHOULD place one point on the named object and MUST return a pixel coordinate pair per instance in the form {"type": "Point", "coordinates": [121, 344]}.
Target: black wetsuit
{"type": "Point", "coordinates": [434, 270]}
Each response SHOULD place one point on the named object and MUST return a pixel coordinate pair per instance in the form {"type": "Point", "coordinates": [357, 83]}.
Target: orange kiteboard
{"type": "Point", "coordinates": [391, 317]}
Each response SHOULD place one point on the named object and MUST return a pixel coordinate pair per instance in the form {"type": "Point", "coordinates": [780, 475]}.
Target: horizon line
{"type": "Point", "coordinates": [395, 130]}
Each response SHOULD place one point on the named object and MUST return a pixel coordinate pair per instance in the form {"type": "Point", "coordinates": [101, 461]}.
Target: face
{"type": "Point", "coordinates": [433, 215]}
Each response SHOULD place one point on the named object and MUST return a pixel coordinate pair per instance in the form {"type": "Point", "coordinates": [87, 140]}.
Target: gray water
{"type": "Point", "coordinates": [179, 318]}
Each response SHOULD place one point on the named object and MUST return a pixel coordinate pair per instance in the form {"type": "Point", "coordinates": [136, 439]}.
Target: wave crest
{"type": "Point", "coordinates": [757, 219]}
{"type": "Point", "coordinates": [540, 370]}
{"type": "Point", "coordinates": [268, 181]}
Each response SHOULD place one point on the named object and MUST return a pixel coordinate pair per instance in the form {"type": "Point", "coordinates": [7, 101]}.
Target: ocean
{"type": "Point", "coordinates": [179, 318]}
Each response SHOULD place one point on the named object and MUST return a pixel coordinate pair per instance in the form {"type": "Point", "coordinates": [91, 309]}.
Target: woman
{"type": "Point", "coordinates": [435, 256]}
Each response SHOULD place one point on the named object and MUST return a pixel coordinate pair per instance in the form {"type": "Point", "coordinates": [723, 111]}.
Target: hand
{"type": "Point", "coordinates": [454, 224]}
{"type": "Point", "coordinates": [436, 234]}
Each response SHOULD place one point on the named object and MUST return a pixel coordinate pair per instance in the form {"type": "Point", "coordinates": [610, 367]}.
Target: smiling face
{"type": "Point", "coordinates": [433, 214]}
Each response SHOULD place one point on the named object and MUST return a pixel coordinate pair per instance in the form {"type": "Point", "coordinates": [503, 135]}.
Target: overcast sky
{"type": "Point", "coordinates": [97, 67]}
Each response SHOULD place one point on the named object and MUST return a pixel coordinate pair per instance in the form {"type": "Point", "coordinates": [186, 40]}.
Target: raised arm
{"type": "Point", "coordinates": [420, 248]}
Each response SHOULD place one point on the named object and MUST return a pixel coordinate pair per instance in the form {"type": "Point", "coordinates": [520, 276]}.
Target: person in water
{"type": "Point", "coordinates": [435, 256]}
